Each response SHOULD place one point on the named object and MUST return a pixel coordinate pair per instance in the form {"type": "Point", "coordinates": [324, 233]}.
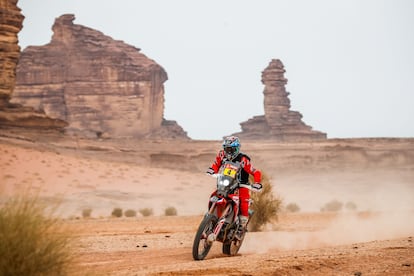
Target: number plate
{"type": "Point", "coordinates": [230, 170]}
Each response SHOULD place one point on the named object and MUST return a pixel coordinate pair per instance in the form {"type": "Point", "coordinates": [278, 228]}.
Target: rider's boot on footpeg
{"type": "Point", "coordinates": [243, 221]}
{"type": "Point", "coordinates": [242, 226]}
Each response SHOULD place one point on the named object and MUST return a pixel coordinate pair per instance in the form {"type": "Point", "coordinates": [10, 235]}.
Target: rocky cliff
{"type": "Point", "coordinates": [279, 122]}
{"type": "Point", "coordinates": [98, 85]}
{"type": "Point", "coordinates": [11, 21]}
{"type": "Point", "coordinates": [14, 115]}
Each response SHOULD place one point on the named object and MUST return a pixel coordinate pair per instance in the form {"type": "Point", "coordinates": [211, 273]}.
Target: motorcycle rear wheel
{"type": "Point", "coordinates": [201, 246]}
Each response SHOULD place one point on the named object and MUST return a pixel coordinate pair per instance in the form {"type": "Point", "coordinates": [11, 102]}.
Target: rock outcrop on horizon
{"type": "Point", "coordinates": [100, 86]}
{"type": "Point", "coordinates": [279, 122]}
{"type": "Point", "coordinates": [15, 115]}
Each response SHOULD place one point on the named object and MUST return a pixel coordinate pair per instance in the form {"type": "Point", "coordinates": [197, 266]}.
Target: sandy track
{"type": "Point", "coordinates": [162, 246]}
{"type": "Point", "coordinates": [376, 175]}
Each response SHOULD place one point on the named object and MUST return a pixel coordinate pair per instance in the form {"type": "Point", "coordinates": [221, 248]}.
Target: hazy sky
{"type": "Point", "coordinates": [350, 63]}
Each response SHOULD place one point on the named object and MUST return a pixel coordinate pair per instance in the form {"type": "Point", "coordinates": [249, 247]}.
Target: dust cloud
{"type": "Point", "coordinates": [385, 211]}
{"type": "Point", "coordinates": [346, 228]}
{"type": "Point", "coordinates": [369, 190]}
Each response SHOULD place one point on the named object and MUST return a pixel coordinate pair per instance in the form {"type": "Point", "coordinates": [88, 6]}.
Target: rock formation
{"type": "Point", "coordinates": [99, 86]}
{"type": "Point", "coordinates": [279, 122]}
{"type": "Point", "coordinates": [11, 21]}
{"type": "Point", "coordinates": [14, 115]}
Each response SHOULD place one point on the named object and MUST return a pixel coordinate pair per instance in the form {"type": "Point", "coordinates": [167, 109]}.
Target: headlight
{"type": "Point", "coordinates": [226, 182]}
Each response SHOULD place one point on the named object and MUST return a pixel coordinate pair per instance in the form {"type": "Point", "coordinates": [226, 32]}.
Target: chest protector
{"type": "Point", "coordinates": [244, 176]}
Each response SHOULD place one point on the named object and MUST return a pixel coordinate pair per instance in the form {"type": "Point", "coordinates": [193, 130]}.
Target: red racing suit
{"type": "Point", "coordinates": [247, 168]}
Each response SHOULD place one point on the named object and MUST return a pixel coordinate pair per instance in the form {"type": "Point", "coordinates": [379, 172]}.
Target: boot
{"type": "Point", "coordinates": [242, 226]}
{"type": "Point", "coordinates": [243, 221]}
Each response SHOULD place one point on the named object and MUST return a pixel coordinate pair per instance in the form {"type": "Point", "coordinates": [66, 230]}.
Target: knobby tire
{"type": "Point", "coordinates": [200, 240]}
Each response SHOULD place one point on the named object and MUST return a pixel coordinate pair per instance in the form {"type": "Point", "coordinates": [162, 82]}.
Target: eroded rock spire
{"type": "Point", "coordinates": [278, 122]}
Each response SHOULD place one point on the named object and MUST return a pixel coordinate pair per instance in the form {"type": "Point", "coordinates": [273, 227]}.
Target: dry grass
{"type": "Point", "coordinates": [86, 213]}
{"type": "Point", "coordinates": [117, 212]}
{"type": "Point", "coordinates": [351, 206]}
{"type": "Point", "coordinates": [32, 242]}
{"type": "Point", "coordinates": [265, 206]}
{"type": "Point", "coordinates": [170, 211]}
{"type": "Point", "coordinates": [332, 206]}
{"type": "Point", "coordinates": [130, 213]}
{"type": "Point", "coordinates": [292, 207]}
{"type": "Point", "coordinates": [146, 212]}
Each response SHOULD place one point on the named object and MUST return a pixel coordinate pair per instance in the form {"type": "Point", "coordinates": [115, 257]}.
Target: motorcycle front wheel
{"type": "Point", "coordinates": [201, 245]}
{"type": "Point", "coordinates": [232, 247]}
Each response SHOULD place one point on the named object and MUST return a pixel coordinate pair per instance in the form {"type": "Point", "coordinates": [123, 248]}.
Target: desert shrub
{"type": "Point", "coordinates": [170, 211]}
{"type": "Point", "coordinates": [350, 206]}
{"type": "Point", "coordinates": [130, 213]}
{"type": "Point", "coordinates": [117, 212]}
{"type": "Point", "coordinates": [292, 207]}
{"type": "Point", "coordinates": [86, 213]}
{"type": "Point", "coordinates": [32, 241]}
{"type": "Point", "coordinates": [332, 206]}
{"type": "Point", "coordinates": [265, 206]}
{"type": "Point", "coordinates": [146, 212]}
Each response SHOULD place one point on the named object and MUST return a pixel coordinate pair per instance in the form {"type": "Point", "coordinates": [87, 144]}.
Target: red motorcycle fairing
{"type": "Point", "coordinates": [221, 202]}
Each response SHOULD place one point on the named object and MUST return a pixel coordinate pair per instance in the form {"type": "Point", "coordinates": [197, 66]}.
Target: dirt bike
{"type": "Point", "coordinates": [221, 222]}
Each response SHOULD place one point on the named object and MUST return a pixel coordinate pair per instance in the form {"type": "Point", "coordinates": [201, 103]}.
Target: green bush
{"type": "Point", "coordinates": [292, 207]}
{"type": "Point", "coordinates": [170, 211]}
{"type": "Point", "coordinates": [117, 212]}
{"type": "Point", "coordinates": [146, 212]}
{"type": "Point", "coordinates": [332, 206]}
{"type": "Point", "coordinates": [32, 242]}
{"type": "Point", "coordinates": [86, 213]}
{"type": "Point", "coordinates": [130, 213]}
{"type": "Point", "coordinates": [265, 206]}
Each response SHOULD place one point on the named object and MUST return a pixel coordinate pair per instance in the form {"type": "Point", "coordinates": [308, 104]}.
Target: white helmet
{"type": "Point", "coordinates": [231, 147]}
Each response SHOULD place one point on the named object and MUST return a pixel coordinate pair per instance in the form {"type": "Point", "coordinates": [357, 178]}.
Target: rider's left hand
{"type": "Point", "coordinates": [257, 187]}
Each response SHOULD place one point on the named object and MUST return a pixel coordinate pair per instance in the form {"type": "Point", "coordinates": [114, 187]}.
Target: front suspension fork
{"type": "Point", "coordinates": [212, 237]}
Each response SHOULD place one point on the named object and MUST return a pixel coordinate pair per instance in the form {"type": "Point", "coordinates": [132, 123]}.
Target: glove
{"type": "Point", "coordinates": [257, 187]}
{"type": "Point", "coordinates": [210, 171]}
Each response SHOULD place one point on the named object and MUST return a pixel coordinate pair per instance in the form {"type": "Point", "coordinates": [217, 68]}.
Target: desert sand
{"type": "Point", "coordinates": [376, 175]}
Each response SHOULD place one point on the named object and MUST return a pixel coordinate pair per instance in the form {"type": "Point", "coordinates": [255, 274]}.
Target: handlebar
{"type": "Point", "coordinates": [251, 188]}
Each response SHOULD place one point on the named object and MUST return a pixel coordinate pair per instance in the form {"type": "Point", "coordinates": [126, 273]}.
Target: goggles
{"type": "Point", "coordinates": [229, 150]}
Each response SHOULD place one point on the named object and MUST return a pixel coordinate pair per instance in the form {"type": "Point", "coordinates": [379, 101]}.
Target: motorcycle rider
{"type": "Point", "coordinates": [231, 152]}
